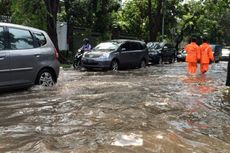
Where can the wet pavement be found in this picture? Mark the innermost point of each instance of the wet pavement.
(159, 109)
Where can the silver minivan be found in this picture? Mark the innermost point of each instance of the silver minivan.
(27, 57)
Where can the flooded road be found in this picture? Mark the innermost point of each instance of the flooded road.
(159, 109)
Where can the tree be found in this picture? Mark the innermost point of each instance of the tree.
(70, 22)
(5, 12)
(30, 13)
(52, 10)
(157, 20)
(102, 10)
(132, 19)
(150, 16)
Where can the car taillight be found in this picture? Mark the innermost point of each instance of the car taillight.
(56, 53)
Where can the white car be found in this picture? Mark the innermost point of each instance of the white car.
(225, 53)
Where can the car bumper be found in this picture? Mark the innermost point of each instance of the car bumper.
(224, 58)
(95, 63)
(153, 58)
(181, 58)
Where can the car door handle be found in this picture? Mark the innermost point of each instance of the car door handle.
(2, 58)
(37, 55)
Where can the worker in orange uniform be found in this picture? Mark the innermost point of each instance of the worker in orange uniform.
(193, 55)
(205, 56)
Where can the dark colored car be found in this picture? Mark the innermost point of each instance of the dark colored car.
(116, 54)
(181, 55)
(225, 53)
(27, 57)
(162, 52)
(168, 53)
(216, 49)
(154, 52)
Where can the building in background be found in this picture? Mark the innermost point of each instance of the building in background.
(62, 36)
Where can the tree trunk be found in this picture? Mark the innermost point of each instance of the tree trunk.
(150, 15)
(69, 25)
(157, 20)
(52, 8)
(228, 74)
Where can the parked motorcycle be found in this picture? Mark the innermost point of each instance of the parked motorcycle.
(77, 59)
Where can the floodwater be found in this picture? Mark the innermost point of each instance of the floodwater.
(159, 109)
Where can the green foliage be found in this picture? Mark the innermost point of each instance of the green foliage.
(30, 13)
(132, 18)
(91, 14)
(209, 18)
(5, 12)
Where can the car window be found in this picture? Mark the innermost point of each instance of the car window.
(157, 46)
(142, 46)
(2, 39)
(126, 47)
(20, 39)
(40, 39)
(154, 46)
(150, 44)
(135, 46)
(107, 46)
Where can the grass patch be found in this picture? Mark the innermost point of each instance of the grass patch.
(66, 66)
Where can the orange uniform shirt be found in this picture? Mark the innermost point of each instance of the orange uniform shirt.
(206, 53)
(193, 52)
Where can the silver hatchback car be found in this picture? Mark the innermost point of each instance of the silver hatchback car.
(115, 54)
(27, 57)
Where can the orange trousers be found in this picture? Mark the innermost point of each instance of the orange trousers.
(192, 66)
(204, 67)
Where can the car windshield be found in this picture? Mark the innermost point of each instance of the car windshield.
(213, 47)
(153, 45)
(107, 46)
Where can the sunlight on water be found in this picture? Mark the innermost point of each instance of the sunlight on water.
(128, 140)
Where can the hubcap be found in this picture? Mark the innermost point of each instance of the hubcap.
(160, 60)
(46, 79)
(115, 66)
(143, 64)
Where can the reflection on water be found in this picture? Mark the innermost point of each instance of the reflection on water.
(158, 109)
(128, 140)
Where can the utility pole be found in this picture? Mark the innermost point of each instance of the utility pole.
(228, 74)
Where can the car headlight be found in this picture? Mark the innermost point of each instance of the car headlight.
(104, 56)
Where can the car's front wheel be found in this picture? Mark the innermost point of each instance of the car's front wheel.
(172, 60)
(160, 61)
(143, 63)
(46, 78)
(77, 65)
(114, 65)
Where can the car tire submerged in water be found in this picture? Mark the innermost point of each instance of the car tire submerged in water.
(77, 65)
(143, 63)
(46, 78)
(114, 65)
(172, 60)
(159, 60)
